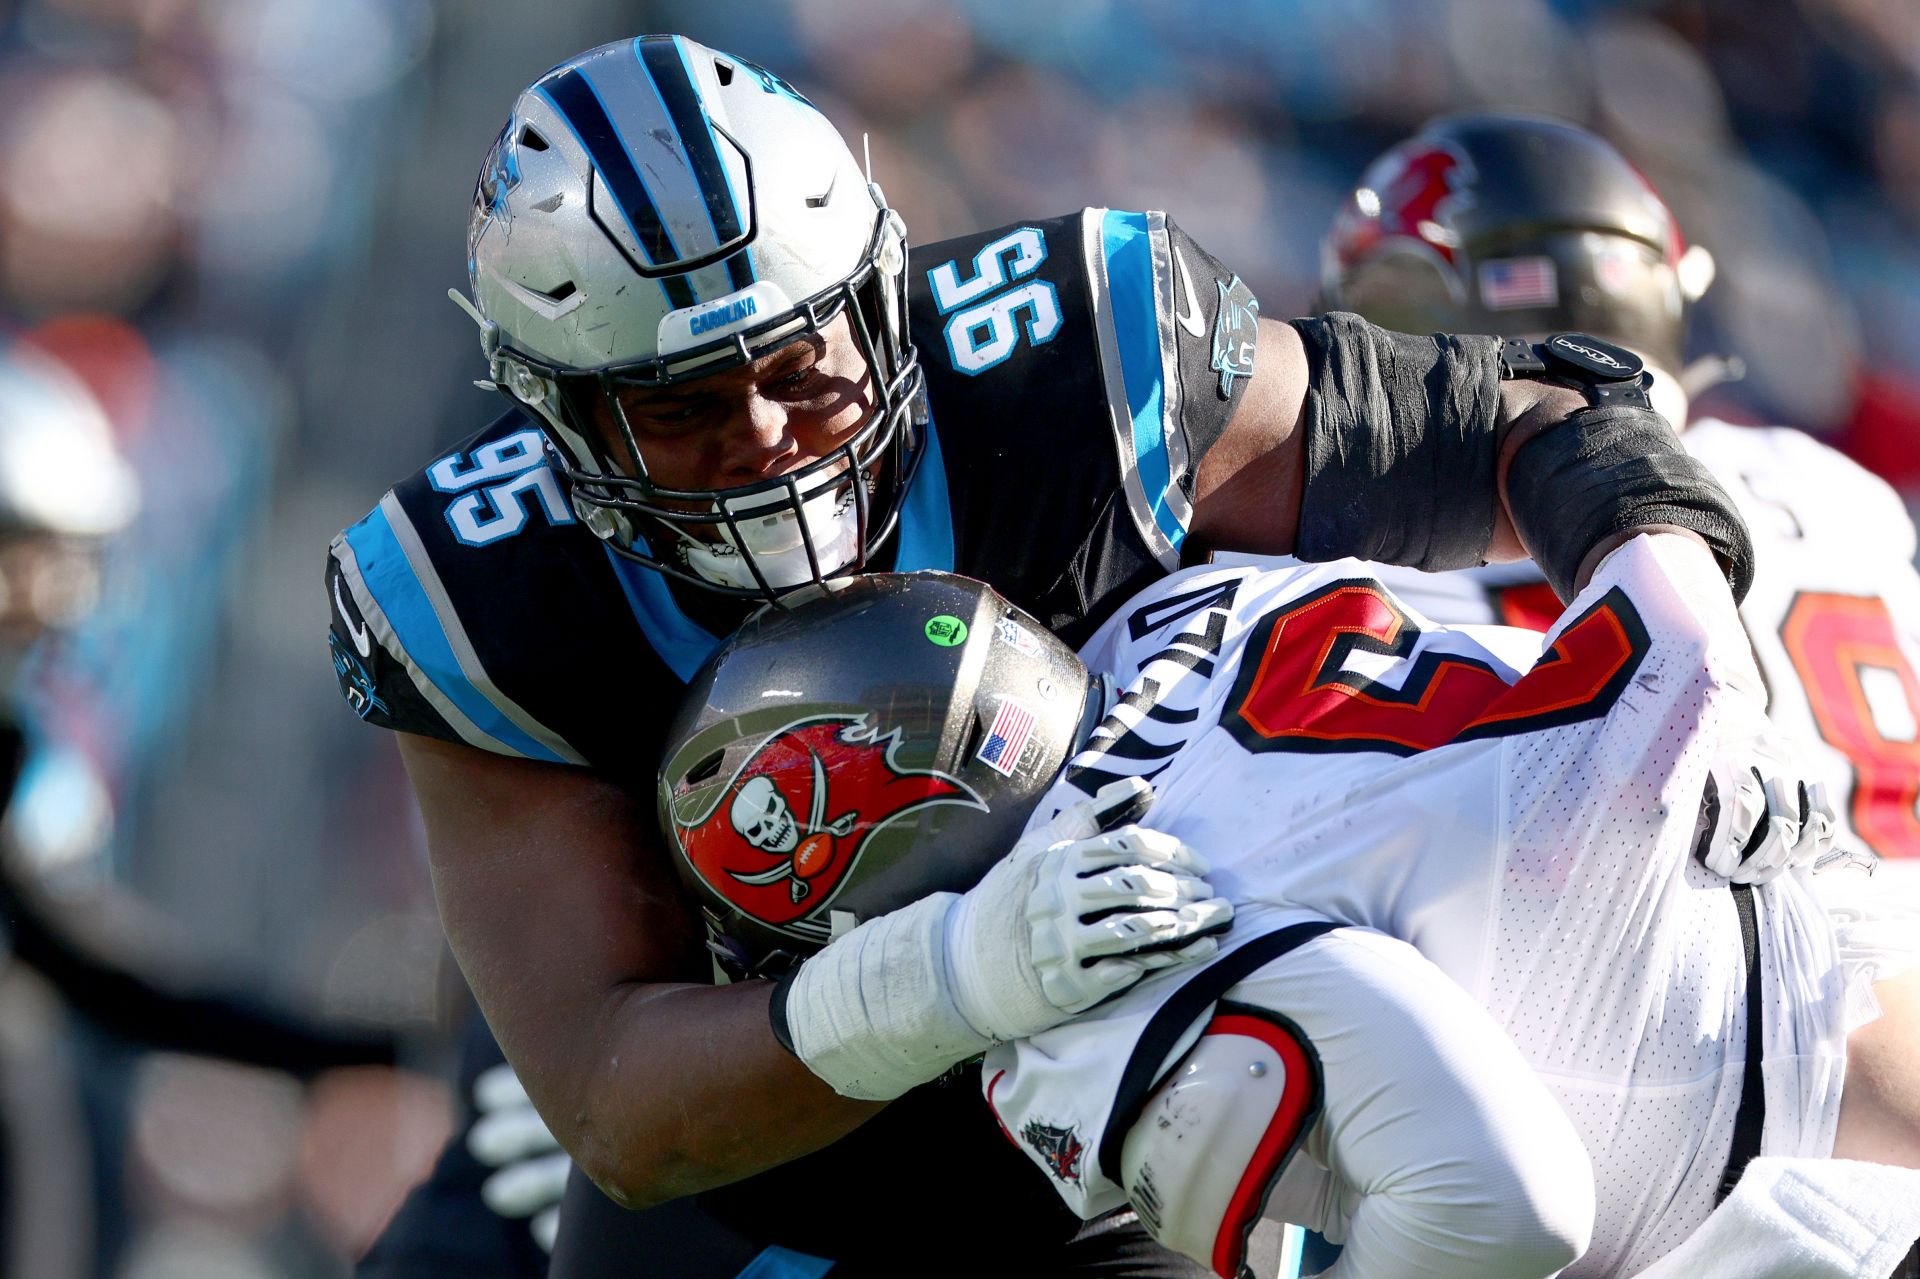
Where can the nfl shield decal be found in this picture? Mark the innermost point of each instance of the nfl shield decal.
(795, 818)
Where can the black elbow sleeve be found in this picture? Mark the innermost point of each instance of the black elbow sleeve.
(1401, 445)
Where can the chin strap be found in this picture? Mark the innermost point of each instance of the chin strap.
(824, 520)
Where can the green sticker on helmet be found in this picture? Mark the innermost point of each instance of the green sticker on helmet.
(946, 630)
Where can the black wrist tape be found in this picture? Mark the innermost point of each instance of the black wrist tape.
(1606, 470)
(1401, 445)
(777, 1009)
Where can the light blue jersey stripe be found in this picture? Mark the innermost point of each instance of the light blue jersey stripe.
(1291, 1239)
(398, 592)
(683, 644)
(784, 1263)
(1131, 296)
(926, 516)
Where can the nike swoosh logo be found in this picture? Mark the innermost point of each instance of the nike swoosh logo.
(357, 633)
(1191, 320)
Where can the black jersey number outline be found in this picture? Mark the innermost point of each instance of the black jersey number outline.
(1294, 693)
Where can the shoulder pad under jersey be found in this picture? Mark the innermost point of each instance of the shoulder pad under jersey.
(1104, 349)
(471, 605)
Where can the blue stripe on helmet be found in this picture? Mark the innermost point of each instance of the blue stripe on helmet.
(1136, 328)
(573, 98)
(401, 597)
(665, 58)
(740, 269)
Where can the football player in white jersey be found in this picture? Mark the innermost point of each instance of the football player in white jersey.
(1577, 985)
(1641, 1009)
(1544, 861)
(1514, 224)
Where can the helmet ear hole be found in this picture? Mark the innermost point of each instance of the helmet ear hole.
(976, 734)
(706, 770)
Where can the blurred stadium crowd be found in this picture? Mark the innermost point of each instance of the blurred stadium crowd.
(235, 220)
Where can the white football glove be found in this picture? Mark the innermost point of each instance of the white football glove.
(1068, 918)
(510, 1136)
(1772, 815)
(1073, 915)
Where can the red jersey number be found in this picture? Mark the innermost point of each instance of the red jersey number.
(1849, 660)
(1295, 693)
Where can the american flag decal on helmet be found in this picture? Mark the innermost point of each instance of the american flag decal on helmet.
(1511, 283)
(1006, 737)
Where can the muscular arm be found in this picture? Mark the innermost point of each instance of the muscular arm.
(1247, 490)
(565, 917)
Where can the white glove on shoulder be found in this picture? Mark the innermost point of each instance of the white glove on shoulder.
(1772, 814)
(1071, 916)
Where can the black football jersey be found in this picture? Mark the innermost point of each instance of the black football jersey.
(1078, 368)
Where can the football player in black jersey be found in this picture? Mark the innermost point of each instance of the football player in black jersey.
(728, 381)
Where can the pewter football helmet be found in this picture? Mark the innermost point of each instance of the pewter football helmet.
(881, 738)
(655, 211)
(1514, 224)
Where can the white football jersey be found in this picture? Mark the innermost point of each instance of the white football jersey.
(1330, 751)
(1834, 616)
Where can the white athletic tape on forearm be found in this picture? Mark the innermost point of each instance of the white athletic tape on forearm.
(872, 1014)
(998, 1001)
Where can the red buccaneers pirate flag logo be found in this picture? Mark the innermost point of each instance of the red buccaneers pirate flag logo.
(794, 819)
(1408, 198)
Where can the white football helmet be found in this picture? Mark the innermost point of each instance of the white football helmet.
(655, 211)
(64, 489)
(61, 475)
